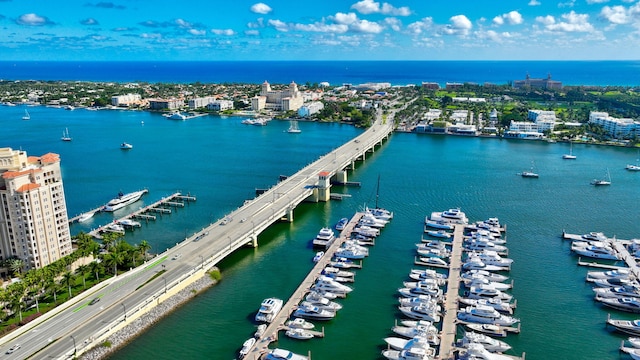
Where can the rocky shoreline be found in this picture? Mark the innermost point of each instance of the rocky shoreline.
(136, 328)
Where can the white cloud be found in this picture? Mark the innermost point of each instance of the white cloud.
(261, 8)
(366, 26)
(534, 3)
(252, 32)
(512, 18)
(33, 20)
(498, 20)
(597, 1)
(197, 32)
(279, 25)
(371, 7)
(419, 26)
(182, 23)
(494, 35)
(347, 19)
(322, 27)
(227, 32)
(393, 23)
(460, 25)
(572, 22)
(616, 15)
(569, 3)
(259, 23)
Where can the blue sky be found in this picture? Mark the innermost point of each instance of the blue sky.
(212, 30)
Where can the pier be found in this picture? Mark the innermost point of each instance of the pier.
(450, 306)
(271, 333)
(142, 213)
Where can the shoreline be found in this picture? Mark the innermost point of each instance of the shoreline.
(124, 336)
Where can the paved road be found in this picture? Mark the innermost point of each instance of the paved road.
(73, 327)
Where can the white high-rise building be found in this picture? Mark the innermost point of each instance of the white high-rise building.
(34, 225)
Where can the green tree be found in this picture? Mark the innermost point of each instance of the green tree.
(68, 278)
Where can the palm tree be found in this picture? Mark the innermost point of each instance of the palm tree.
(16, 294)
(113, 259)
(68, 278)
(16, 265)
(144, 247)
(82, 271)
(96, 268)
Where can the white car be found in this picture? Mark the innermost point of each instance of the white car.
(13, 348)
(176, 256)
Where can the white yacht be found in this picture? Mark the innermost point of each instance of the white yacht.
(129, 223)
(314, 313)
(269, 308)
(618, 291)
(299, 323)
(476, 351)
(324, 238)
(631, 327)
(342, 224)
(439, 233)
(628, 304)
(351, 252)
(487, 283)
(470, 274)
(491, 257)
(126, 146)
(570, 155)
(86, 216)
(176, 116)
(427, 300)
(426, 274)
(415, 349)
(416, 291)
(434, 261)
(609, 274)
(325, 283)
(433, 253)
(423, 283)
(480, 244)
(300, 334)
(123, 200)
(474, 263)
(419, 330)
(421, 312)
(322, 303)
(114, 227)
(489, 343)
(455, 214)
(485, 315)
(438, 224)
(632, 167)
(380, 213)
(246, 346)
(498, 304)
(596, 252)
(485, 293)
(318, 256)
(330, 270)
(281, 354)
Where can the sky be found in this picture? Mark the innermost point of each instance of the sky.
(222, 30)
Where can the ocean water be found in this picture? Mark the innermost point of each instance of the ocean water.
(222, 162)
(601, 73)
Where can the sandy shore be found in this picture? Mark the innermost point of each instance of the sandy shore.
(129, 332)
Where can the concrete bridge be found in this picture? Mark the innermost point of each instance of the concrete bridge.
(122, 304)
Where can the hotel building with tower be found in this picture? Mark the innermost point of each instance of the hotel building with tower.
(278, 100)
(34, 224)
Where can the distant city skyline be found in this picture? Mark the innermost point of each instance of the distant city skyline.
(320, 30)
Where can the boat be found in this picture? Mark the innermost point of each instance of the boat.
(114, 227)
(487, 283)
(436, 253)
(129, 222)
(415, 349)
(379, 213)
(435, 261)
(485, 315)
(628, 304)
(65, 135)
(609, 274)
(123, 200)
(439, 233)
(416, 291)
(594, 236)
(530, 173)
(632, 351)
(631, 327)
(476, 351)
(428, 274)
(342, 263)
(293, 127)
(260, 331)
(634, 341)
(421, 329)
(498, 304)
(438, 224)
(299, 323)
(26, 115)
(342, 224)
(246, 346)
(260, 121)
(86, 216)
(491, 257)
(596, 252)
(313, 312)
(321, 293)
(318, 256)
(454, 214)
(324, 238)
(326, 283)
(300, 334)
(69, 107)
(486, 274)
(269, 308)
(570, 155)
(126, 146)
(475, 263)
(618, 291)
(483, 244)
(281, 354)
(176, 116)
(397, 343)
(248, 121)
(423, 283)
(636, 167)
(332, 271)
(322, 302)
(612, 282)
(487, 342)
(602, 182)
(476, 292)
(351, 252)
(421, 312)
(420, 299)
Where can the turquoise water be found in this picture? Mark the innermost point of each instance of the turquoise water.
(222, 162)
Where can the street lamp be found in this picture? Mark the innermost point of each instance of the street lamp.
(124, 310)
(75, 350)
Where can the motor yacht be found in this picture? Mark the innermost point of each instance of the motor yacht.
(614, 282)
(609, 274)
(423, 311)
(299, 323)
(427, 290)
(342, 224)
(437, 224)
(129, 223)
(269, 308)
(432, 252)
(423, 283)
(479, 292)
(318, 256)
(114, 227)
(126, 146)
(489, 329)
(596, 236)
(485, 315)
(489, 343)
(414, 349)
(325, 283)
(312, 295)
(281, 354)
(498, 304)
(300, 334)
(246, 346)
(427, 300)
(470, 274)
(313, 313)
(351, 252)
(631, 327)
(123, 200)
(439, 233)
(628, 304)
(434, 261)
(483, 244)
(618, 291)
(482, 282)
(330, 270)
(476, 351)
(324, 238)
(418, 330)
(419, 277)
(474, 263)
(323, 303)
(420, 274)
(596, 252)
(86, 216)
(455, 214)
(260, 331)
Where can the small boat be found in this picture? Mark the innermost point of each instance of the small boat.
(269, 308)
(260, 331)
(26, 115)
(86, 216)
(318, 256)
(342, 224)
(299, 323)
(635, 342)
(570, 155)
(489, 329)
(293, 127)
(313, 312)
(636, 167)
(439, 233)
(438, 224)
(324, 238)
(530, 173)
(65, 135)
(631, 327)
(602, 182)
(487, 342)
(246, 346)
(281, 354)
(114, 227)
(300, 334)
(126, 146)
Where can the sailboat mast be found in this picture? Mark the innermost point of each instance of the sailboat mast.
(378, 191)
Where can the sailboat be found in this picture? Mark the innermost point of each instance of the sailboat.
(379, 212)
(602, 182)
(65, 135)
(529, 174)
(293, 127)
(636, 167)
(26, 115)
(569, 156)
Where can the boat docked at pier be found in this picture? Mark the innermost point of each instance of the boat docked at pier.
(437, 224)
(489, 329)
(421, 328)
(269, 309)
(439, 234)
(418, 275)
(498, 304)
(281, 354)
(489, 343)
(352, 253)
(246, 346)
(300, 334)
(428, 312)
(628, 304)
(594, 251)
(618, 291)
(476, 351)
(479, 292)
(325, 283)
(299, 323)
(475, 263)
(420, 290)
(421, 300)
(631, 327)
(609, 274)
(415, 349)
(485, 315)
(86, 216)
(308, 311)
(471, 274)
(324, 238)
(123, 200)
(342, 224)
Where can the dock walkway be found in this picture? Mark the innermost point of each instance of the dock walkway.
(450, 306)
(271, 334)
